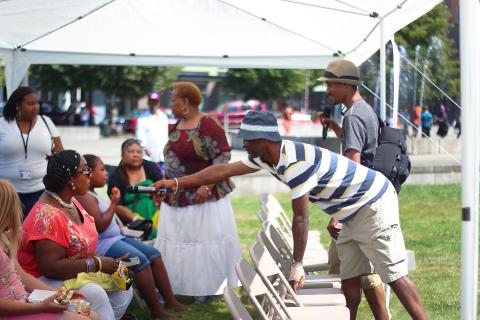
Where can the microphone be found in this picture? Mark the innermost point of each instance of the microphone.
(326, 114)
(145, 189)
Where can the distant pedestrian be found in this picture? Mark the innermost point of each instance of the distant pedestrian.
(416, 114)
(85, 117)
(287, 120)
(427, 121)
(458, 125)
(442, 119)
(152, 130)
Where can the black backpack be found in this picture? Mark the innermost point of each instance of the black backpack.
(390, 157)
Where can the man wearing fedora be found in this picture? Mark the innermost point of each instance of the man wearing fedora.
(362, 199)
(359, 135)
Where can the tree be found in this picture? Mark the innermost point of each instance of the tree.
(431, 33)
(436, 56)
(120, 81)
(265, 84)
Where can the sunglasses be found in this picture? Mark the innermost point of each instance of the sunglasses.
(86, 172)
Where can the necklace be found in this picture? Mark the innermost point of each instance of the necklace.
(57, 197)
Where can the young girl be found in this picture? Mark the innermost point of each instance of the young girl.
(150, 273)
(14, 282)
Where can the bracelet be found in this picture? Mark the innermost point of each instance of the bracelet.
(86, 264)
(89, 265)
(176, 187)
(94, 263)
(99, 263)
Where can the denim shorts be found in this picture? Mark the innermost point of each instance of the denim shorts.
(135, 248)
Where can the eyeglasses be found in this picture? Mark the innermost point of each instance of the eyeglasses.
(86, 172)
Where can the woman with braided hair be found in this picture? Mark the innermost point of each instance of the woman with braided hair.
(60, 237)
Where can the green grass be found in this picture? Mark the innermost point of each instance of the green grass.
(430, 217)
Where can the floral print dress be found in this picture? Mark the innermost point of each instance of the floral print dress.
(191, 150)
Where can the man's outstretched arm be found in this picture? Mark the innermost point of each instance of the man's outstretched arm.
(210, 175)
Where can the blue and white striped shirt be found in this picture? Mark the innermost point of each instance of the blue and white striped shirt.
(337, 185)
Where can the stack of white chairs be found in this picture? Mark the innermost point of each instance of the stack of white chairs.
(269, 272)
(277, 225)
(270, 305)
(267, 286)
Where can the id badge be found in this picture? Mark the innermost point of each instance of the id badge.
(24, 174)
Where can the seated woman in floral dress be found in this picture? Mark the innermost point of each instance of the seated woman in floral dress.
(60, 237)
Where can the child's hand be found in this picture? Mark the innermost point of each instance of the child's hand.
(48, 305)
(115, 197)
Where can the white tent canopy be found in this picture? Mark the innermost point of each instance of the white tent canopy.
(225, 33)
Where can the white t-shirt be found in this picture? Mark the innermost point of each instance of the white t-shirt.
(12, 153)
(152, 131)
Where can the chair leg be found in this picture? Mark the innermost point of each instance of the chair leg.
(387, 300)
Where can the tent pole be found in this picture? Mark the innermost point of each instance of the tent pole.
(383, 87)
(396, 82)
(470, 97)
(16, 69)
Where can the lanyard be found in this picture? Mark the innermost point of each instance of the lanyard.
(25, 143)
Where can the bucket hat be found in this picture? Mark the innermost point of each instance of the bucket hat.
(342, 71)
(259, 125)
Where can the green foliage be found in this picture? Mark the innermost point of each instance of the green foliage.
(121, 81)
(265, 84)
(432, 30)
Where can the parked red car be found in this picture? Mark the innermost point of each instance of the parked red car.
(234, 111)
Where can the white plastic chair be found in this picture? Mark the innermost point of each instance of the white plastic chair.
(273, 211)
(311, 280)
(236, 307)
(274, 308)
(311, 263)
(269, 271)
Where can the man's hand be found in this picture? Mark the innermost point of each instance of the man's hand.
(334, 227)
(297, 276)
(330, 123)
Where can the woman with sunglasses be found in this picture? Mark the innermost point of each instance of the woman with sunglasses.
(60, 237)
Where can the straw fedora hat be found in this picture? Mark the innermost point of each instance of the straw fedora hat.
(342, 71)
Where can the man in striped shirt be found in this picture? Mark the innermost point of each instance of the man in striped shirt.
(361, 198)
